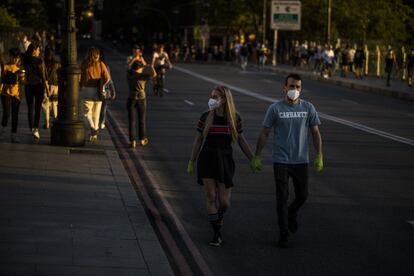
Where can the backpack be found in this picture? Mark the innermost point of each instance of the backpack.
(10, 78)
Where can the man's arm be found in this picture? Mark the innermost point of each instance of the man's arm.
(317, 139)
(261, 142)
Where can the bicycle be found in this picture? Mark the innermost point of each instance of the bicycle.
(159, 81)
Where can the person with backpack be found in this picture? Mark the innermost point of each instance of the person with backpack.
(12, 75)
(35, 86)
(51, 101)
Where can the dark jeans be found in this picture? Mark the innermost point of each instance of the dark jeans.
(34, 95)
(137, 109)
(104, 109)
(299, 175)
(13, 104)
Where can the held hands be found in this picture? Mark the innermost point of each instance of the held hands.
(190, 168)
(318, 163)
(256, 163)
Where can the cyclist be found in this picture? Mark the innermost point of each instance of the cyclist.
(160, 62)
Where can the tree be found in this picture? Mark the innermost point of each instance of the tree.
(7, 19)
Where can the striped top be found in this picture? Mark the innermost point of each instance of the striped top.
(219, 134)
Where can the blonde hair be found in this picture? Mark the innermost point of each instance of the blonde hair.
(229, 111)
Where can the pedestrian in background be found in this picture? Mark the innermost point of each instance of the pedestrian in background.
(217, 130)
(136, 56)
(12, 75)
(345, 61)
(390, 62)
(50, 102)
(108, 95)
(94, 77)
(36, 86)
(244, 56)
(291, 119)
(137, 77)
(359, 61)
(410, 67)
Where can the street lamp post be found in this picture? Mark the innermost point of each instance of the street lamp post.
(329, 27)
(264, 22)
(69, 130)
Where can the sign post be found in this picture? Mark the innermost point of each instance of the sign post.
(286, 16)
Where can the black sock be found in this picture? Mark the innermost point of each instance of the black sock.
(215, 222)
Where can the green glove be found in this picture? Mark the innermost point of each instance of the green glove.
(190, 168)
(318, 163)
(256, 163)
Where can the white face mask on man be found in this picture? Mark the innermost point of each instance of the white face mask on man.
(293, 94)
(213, 104)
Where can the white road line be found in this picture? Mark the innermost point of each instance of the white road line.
(324, 116)
(189, 103)
(166, 90)
(411, 222)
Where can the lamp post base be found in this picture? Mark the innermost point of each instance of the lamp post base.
(68, 133)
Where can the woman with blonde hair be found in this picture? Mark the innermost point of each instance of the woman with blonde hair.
(217, 129)
(94, 77)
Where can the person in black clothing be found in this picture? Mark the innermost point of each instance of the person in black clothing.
(410, 67)
(35, 86)
(217, 129)
(390, 61)
(137, 103)
(359, 61)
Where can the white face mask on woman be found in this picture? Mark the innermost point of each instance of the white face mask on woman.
(213, 104)
(293, 94)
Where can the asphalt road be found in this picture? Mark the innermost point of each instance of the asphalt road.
(356, 220)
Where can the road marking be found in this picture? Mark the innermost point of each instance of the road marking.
(267, 81)
(322, 115)
(411, 222)
(190, 103)
(166, 90)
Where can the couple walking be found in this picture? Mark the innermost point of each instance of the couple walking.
(292, 120)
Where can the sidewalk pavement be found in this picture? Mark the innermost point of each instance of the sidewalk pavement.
(71, 211)
(399, 89)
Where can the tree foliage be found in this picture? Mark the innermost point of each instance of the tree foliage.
(380, 20)
(7, 19)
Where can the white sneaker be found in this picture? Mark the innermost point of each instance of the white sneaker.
(36, 133)
(14, 138)
(102, 126)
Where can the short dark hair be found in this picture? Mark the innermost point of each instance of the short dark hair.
(293, 76)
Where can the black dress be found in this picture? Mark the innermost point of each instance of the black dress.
(215, 160)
